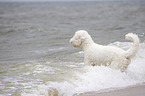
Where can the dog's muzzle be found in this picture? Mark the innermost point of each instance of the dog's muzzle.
(71, 41)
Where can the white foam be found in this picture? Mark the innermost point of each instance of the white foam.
(45, 52)
(89, 78)
(95, 79)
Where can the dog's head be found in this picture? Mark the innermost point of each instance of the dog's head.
(79, 38)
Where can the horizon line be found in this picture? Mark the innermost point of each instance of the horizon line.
(61, 0)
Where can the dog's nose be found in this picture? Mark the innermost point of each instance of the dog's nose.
(71, 40)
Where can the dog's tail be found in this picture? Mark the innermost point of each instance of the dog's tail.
(133, 50)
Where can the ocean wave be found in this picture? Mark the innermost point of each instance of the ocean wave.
(88, 78)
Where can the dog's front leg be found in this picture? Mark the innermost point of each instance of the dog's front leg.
(87, 61)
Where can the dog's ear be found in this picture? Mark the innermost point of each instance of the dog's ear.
(83, 39)
(77, 43)
(78, 40)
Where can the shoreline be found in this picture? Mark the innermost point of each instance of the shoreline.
(138, 90)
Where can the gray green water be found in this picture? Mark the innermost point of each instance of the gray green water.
(36, 58)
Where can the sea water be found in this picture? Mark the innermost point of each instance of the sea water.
(36, 58)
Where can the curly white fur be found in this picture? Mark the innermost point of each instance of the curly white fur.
(95, 54)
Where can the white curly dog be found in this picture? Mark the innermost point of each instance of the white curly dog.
(95, 54)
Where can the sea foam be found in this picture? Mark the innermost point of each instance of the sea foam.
(88, 78)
